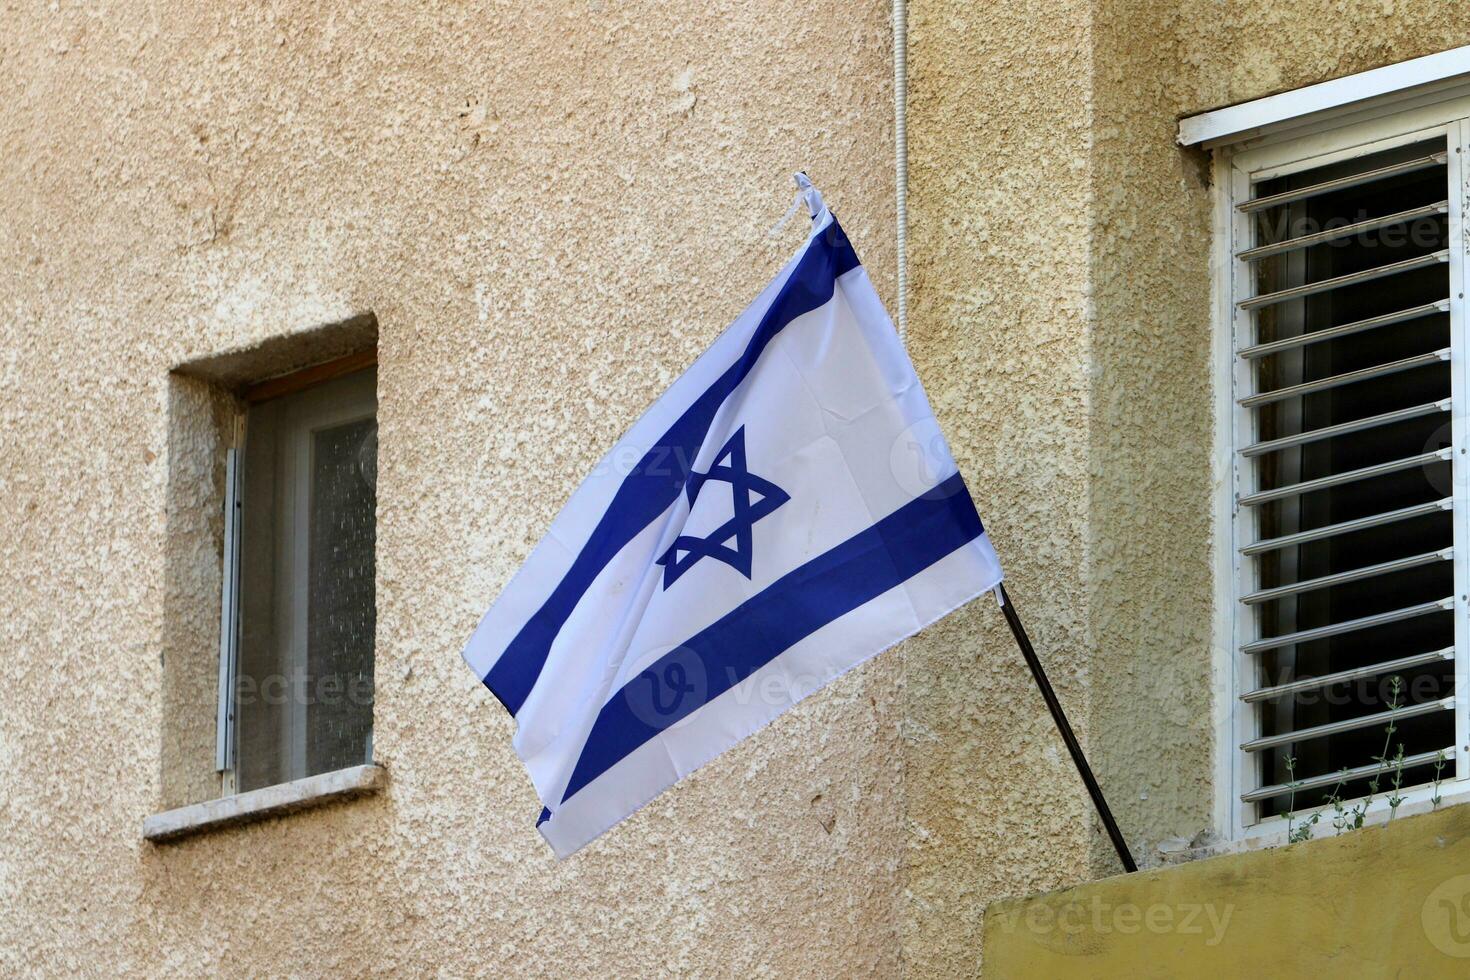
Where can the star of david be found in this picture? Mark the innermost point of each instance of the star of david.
(753, 499)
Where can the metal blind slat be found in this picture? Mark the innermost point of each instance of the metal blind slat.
(1347, 378)
(1351, 279)
(1352, 575)
(1344, 428)
(1344, 231)
(1338, 479)
(1346, 775)
(1345, 330)
(1350, 626)
(1347, 725)
(1358, 673)
(1342, 183)
(1348, 527)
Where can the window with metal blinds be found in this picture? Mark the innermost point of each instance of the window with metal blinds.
(1344, 471)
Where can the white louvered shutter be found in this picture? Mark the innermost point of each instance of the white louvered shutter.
(1346, 392)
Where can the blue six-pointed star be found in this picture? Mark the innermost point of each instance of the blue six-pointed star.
(753, 498)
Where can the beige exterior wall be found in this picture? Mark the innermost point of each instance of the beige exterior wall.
(999, 319)
(550, 209)
(1060, 247)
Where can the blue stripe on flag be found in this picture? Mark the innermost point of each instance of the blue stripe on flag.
(829, 586)
(653, 484)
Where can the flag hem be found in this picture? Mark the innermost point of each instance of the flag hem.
(543, 826)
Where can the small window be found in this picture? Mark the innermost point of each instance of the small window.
(299, 601)
(1348, 503)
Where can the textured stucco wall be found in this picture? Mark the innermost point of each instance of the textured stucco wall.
(1061, 320)
(1150, 431)
(1149, 579)
(551, 208)
(999, 319)
(1151, 485)
(1230, 51)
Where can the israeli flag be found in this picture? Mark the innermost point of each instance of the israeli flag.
(785, 511)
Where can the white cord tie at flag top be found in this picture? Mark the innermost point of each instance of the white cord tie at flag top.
(805, 194)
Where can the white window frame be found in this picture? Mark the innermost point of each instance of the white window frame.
(229, 625)
(1285, 147)
(313, 411)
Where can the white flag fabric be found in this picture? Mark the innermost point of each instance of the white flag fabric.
(785, 511)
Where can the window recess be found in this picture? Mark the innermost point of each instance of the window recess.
(1347, 520)
(299, 615)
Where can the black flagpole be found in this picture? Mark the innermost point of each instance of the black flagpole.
(1060, 717)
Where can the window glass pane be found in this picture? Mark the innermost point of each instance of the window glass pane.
(305, 679)
(260, 693)
(341, 615)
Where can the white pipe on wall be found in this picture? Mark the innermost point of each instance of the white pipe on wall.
(901, 158)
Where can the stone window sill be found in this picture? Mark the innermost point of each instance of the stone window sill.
(261, 804)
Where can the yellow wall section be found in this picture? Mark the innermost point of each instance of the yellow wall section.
(1390, 901)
